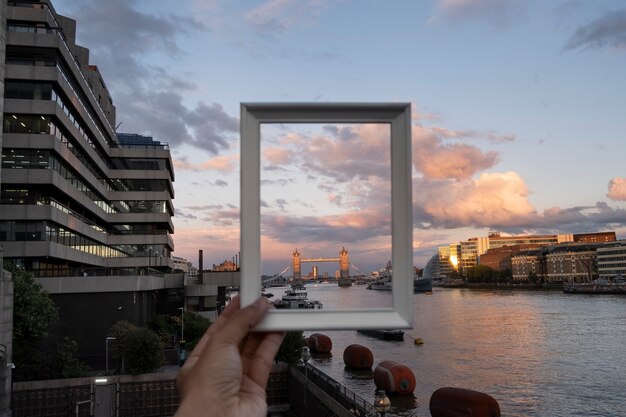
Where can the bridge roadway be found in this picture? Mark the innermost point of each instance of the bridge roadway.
(319, 260)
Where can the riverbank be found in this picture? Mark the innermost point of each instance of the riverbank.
(504, 286)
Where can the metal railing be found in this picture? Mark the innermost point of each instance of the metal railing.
(338, 391)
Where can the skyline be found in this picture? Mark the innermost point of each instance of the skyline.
(517, 111)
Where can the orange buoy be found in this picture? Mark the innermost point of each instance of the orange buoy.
(358, 357)
(460, 402)
(394, 378)
(320, 343)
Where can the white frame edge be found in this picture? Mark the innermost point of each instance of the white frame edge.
(398, 115)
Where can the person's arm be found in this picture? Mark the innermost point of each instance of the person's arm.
(227, 372)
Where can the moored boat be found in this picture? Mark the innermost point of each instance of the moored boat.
(384, 334)
(599, 286)
(296, 298)
(422, 285)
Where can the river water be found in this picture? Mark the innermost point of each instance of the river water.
(538, 353)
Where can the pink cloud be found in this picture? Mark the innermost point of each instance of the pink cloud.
(493, 199)
(223, 163)
(278, 156)
(617, 189)
(436, 160)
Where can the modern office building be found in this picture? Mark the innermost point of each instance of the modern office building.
(77, 197)
(612, 260)
(87, 210)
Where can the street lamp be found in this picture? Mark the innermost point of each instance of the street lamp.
(305, 355)
(381, 402)
(106, 352)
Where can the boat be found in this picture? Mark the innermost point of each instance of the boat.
(599, 286)
(383, 282)
(421, 285)
(296, 298)
(380, 285)
(384, 334)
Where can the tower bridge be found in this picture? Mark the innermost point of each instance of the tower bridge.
(343, 260)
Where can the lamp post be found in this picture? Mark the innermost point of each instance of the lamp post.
(305, 355)
(106, 352)
(381, 402)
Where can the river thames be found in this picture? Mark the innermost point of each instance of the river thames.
(538, 353)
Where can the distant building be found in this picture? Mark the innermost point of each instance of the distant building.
(499, 259)
(181, 264)
(599, 237)
(226, 266)
(612, 260)
(485, 250)
(574, 262)
(525, 264)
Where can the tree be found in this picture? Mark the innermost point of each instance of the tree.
(291, 348)
(33, 312)
(167, 327)
(480, 273)
(140, 349)
(36, 353)
(195, 326)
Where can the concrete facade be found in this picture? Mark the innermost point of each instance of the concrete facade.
(612, 260)
(76, 195)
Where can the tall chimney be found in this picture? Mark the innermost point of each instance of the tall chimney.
(200, 265)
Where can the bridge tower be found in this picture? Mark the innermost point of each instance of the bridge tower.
(344, 268)
(296, 265)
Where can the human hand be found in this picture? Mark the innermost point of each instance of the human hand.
(227, 372)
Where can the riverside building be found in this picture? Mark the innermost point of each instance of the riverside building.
(87, 210)
(495, 248)
(76, 197)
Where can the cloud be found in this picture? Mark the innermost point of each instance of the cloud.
(182, 215)
(500, 201)
(129, 32)
(497, 13)
(348, 152)
(617, 189)
(163, 114)
(468, 133)
(353, 226)
(224, 164)
(278, 156)
(436, 160)
(276, 16)
(491, 200)
(609, 30)
(148, 97)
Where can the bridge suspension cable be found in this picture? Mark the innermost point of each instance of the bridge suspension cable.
(359, 269)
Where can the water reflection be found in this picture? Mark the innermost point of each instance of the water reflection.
(537, 353)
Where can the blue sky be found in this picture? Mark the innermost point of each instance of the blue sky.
(518, 110)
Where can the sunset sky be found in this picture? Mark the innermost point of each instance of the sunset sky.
(519, 115)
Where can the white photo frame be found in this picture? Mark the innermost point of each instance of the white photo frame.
(398, 116)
